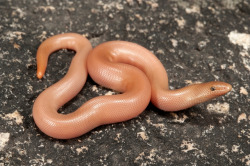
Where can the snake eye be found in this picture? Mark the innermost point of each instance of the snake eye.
(212, 88)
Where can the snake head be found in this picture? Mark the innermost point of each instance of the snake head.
(199, 93)
(217, 88)
(206, 91)
(210, 90)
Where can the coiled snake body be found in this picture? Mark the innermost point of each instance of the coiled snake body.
(122, 66)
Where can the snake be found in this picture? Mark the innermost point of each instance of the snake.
(126, 67)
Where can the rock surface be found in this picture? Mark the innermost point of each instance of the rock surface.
(197, 41)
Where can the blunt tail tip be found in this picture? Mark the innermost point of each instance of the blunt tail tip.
(39, 75)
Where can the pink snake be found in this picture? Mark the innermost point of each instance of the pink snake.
(119, 65)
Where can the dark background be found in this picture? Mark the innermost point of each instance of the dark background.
(197, 41)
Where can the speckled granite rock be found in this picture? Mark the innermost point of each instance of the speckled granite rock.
(197, 41)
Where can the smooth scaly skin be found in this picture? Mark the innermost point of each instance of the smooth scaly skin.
(119, 65)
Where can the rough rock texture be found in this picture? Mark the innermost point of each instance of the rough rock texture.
(197, 41)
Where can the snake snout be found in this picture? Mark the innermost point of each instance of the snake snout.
(221, 87)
